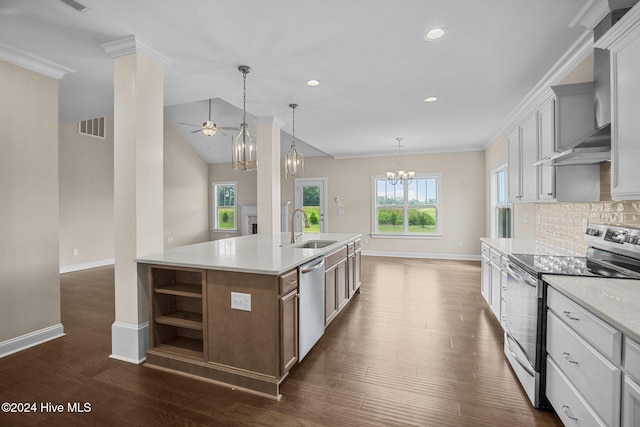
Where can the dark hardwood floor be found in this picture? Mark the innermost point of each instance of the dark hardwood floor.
(418, 347)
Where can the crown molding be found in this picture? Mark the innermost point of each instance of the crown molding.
(32, 62)
(572, 57)
(623, 32)
(129, 45)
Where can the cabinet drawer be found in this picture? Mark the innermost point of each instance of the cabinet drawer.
(288, 282)
(495, 257)
(334, 258)
(598, 333)
(485, 250)
(632, 358)
(565, 399)
(595, 378)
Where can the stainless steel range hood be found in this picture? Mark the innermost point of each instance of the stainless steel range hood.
(596, 146)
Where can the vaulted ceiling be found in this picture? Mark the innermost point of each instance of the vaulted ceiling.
(374, 66)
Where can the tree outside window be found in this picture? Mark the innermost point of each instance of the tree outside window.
(224, 206)
(406, 208)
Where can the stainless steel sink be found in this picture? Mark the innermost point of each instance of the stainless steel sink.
(315, 244)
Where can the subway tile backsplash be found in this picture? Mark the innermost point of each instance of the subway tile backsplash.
(560, 224)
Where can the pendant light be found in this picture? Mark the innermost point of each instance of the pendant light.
(400, 175)
(293, 160)
(243, 148)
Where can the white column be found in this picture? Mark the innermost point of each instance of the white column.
(268, 155)
(138, 187)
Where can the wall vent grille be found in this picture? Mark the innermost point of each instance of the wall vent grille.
(92, 127)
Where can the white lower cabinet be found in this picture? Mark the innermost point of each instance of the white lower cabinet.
(570, 406)
(595, 378)
(593, 370)
(491, 286)
(631, 393)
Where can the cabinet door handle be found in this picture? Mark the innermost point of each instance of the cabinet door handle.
(291, 282)
(568, 412)
(568, 315)
(569, 358)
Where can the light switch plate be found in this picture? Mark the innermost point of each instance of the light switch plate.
(240, 301)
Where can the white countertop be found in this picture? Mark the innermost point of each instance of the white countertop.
(524, 246)
(616, 301)
(258, 253)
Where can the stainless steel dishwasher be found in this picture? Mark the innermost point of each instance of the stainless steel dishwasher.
(311, 288)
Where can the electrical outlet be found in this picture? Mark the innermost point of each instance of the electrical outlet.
(240, 301)
(169, 239)
(340, 211)
(525, 218)
(366, 241)
(460, 243)
(76, 252)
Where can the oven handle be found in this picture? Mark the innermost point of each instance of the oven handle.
(520, 275)
(527, 367)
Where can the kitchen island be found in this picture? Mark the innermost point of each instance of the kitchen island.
(227, 310)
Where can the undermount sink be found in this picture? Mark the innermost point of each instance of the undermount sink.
(315, 244)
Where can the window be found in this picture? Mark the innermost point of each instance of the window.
(501, 215)
(406, 209)
(224, 206)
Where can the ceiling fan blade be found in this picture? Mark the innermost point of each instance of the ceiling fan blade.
(189, 124)
(228, 128)
(196, 131)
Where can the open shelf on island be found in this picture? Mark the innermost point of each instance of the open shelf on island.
(181, 289)
(182, 319)
(183, 346)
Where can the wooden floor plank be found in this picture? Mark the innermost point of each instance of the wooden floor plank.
(417, 347)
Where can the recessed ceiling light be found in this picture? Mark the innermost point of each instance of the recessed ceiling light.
(313, 82)
(431, 99)
(434, 34)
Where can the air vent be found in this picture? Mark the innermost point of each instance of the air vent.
(92, 127)
(74, 4)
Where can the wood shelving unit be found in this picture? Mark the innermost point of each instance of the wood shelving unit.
(176, 309)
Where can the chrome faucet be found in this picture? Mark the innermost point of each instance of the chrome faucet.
(306, 223)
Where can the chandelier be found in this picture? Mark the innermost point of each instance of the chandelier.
(400, 175)
(293, 160)
(243, 148)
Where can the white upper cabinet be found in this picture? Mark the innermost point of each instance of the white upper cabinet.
(515, 188)
(546, 120)
(529, 147)
(623, 40)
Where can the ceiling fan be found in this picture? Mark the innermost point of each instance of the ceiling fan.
(209, 128)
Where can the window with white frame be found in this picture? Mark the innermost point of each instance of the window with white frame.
(224, 206)
(406, 209)
(501, 215)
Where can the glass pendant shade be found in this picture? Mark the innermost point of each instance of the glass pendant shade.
(244, 150)
(293, 162)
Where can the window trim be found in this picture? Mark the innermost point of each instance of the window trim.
(214, 206)
(504, 166)
(405, 235)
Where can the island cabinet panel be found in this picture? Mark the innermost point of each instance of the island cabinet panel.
(354, 252)
(246, 340)
(288, 331)
(176, 310)
(336, 283)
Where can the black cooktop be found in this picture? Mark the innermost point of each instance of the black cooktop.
(537, 265)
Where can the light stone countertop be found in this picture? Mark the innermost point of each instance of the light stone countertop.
(524, 246)
(271, 254)
(616, 301)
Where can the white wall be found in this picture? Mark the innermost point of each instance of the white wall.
(86, 197)
(29, 221)
(186, 192)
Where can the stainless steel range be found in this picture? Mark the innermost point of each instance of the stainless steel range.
(613, 252)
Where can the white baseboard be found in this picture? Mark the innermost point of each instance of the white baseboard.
(31, 339)
(457, 257)
(86, 265)
(129, 343)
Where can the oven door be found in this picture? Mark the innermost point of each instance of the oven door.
(524, 302)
